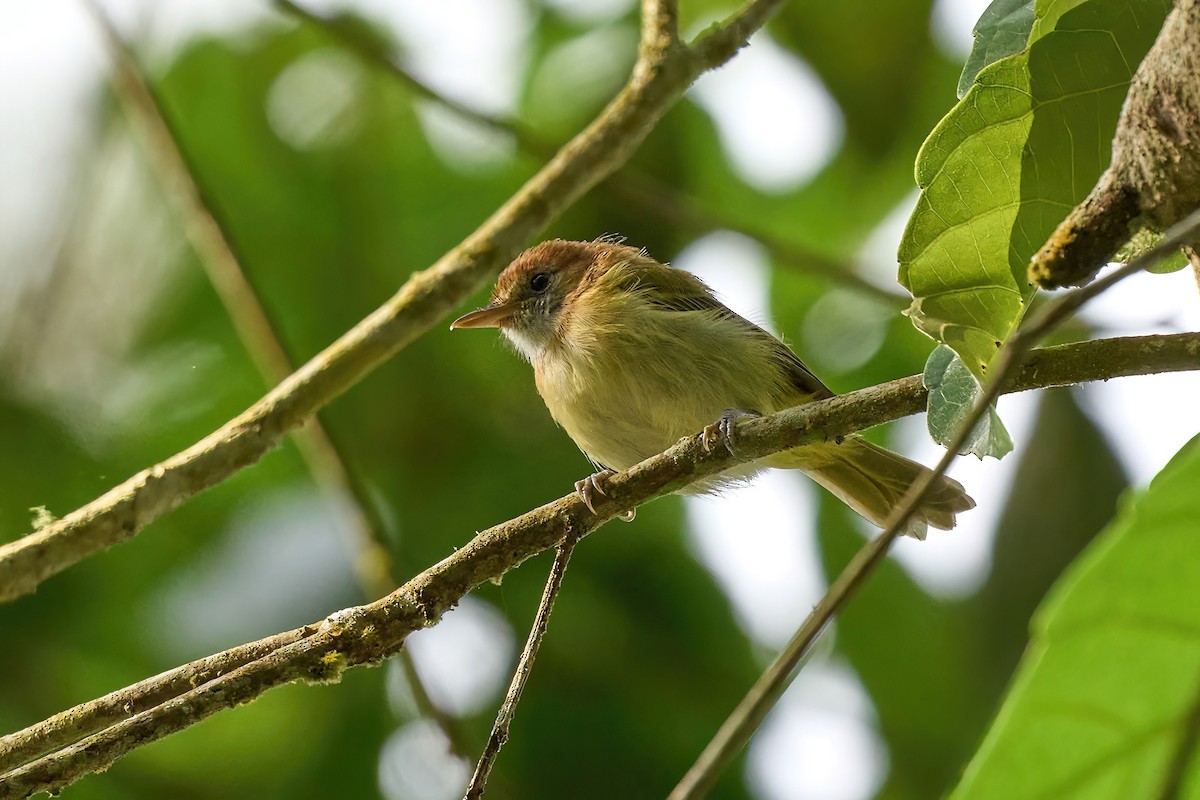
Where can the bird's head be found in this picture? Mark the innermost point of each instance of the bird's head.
(534, 295)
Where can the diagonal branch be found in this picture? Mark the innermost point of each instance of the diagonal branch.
(93, 736)
(752, 710)
(647, 193)
(659, 78)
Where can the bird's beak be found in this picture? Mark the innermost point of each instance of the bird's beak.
(493, 316)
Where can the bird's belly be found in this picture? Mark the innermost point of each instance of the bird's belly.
(628, 417)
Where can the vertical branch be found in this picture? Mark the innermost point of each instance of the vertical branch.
(508, 708)
(373, 563)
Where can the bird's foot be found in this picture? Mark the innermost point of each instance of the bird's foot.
(724, 430)
(593, 485)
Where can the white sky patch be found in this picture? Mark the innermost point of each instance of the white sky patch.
(165, 26)
(50, 58)
(1146, 303)
(737, 268)
(820, 742)
(466, 658)
(312, 102)
(758, 542)
(952, 23)
(777, 122)
(473, 52)
(1147, 418)
(877, 259)
(283, 561)
(416, 764)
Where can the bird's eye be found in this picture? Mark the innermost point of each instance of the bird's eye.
(540, 282)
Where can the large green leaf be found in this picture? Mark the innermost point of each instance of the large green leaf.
(1023, 146)
(1105, 702)
(1002, 30)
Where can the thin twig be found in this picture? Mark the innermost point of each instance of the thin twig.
(90, 738)
(629, 185)
(370, 50)
(750, 712)
(657, 82)
(508, 709)
(373, 563)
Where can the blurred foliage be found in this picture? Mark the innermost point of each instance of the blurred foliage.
(332, 200)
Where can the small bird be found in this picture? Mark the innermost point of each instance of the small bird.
(631, 355)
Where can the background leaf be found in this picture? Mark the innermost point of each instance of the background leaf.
(952, 392)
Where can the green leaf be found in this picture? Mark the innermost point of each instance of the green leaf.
(1023, 147)
(1106, 698)
(1046, 15)
(1145, 240)
(1002, 30)
(952, 392)
(1172, 263)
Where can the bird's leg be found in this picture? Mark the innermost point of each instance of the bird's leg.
(592, 485)
(723, 430)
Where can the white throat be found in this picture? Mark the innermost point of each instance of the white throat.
(529, 346)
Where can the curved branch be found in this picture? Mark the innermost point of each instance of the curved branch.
(659, 78)
(93, 736)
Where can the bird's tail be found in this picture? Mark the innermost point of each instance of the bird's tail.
(872, 481)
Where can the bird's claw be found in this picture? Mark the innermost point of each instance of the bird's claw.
(724, 430)
(593, 485)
